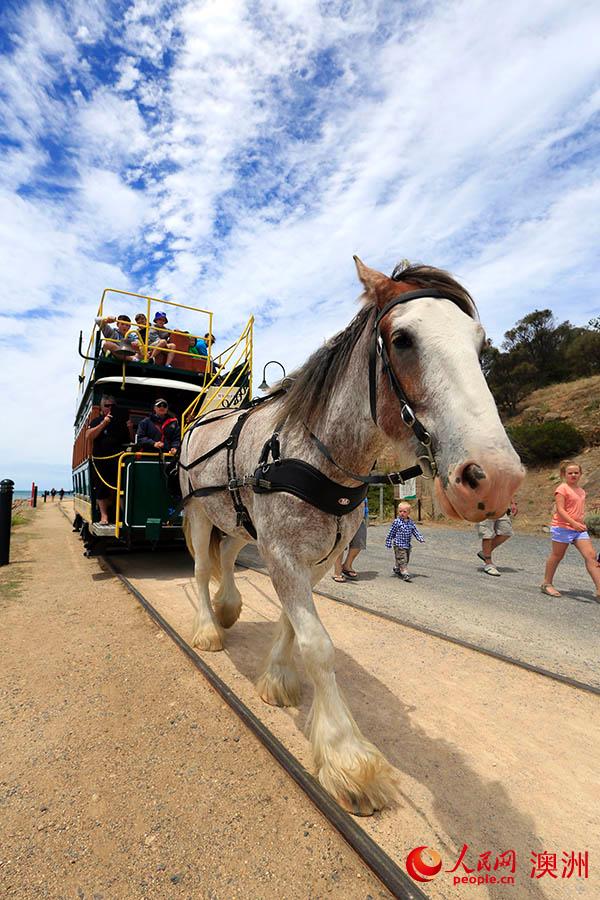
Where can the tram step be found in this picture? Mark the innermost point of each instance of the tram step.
(102, 530)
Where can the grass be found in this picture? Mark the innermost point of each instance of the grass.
(12, 576)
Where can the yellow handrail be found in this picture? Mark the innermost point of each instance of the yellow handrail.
(149, 300)
(120, 466)
(205, 401)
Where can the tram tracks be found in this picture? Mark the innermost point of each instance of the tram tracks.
(383, 866)
(432, 632)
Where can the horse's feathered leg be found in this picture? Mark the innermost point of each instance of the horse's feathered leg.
(227, 602)
(279, 684)
(352, 769)
(206, 633)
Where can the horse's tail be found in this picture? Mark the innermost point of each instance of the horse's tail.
(214, 549)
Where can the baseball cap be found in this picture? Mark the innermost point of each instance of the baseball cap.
(160, 315)
(160, 402)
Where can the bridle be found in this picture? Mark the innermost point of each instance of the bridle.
(378, 349)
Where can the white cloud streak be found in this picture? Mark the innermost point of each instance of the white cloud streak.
(238, 154)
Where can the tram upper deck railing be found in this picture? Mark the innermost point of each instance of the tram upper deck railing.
(152, 304)
(224, 379)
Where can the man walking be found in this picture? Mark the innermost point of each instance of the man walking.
(493, 533)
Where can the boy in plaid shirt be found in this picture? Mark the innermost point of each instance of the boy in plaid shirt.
(399, 538)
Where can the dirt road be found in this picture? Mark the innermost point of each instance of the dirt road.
(122, 774)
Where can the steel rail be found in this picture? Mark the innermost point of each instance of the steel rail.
(495, 654)
(383, 866)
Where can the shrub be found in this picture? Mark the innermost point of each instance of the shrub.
(592, 523)
(539, 442)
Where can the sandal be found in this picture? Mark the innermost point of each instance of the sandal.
(350, 573)
(339, 578)
(550, 590)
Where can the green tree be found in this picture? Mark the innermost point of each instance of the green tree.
(583, 353)
(510, 378)
(542, 342)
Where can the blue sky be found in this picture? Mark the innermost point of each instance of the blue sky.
(235, 154)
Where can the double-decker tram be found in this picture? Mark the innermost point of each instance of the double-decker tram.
(150, 370)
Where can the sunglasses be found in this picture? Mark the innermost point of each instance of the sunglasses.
(161, 405)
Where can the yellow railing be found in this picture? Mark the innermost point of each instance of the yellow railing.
(120, 492)
(149, 326)
(222, 384)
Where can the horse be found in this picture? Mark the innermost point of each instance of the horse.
(405, 371)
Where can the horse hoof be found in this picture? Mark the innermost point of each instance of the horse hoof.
(358, 806)
(227, 614)
(210, 642)
(284, 690)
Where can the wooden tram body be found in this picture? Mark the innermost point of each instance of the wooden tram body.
(144, 492)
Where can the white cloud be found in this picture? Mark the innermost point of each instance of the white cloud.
(259, 145)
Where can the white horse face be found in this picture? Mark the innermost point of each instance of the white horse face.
(434, 348)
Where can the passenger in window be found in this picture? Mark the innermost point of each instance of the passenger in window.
(108, 434)
(159, 432)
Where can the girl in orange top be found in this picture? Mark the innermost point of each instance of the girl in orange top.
(568, 527)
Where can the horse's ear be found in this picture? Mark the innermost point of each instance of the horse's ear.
(378, 287)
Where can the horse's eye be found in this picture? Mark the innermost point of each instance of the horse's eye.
(402, 340)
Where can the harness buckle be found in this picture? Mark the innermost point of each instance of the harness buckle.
(408, 416)
(235, 483)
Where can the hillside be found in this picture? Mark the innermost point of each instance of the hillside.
(577, 402)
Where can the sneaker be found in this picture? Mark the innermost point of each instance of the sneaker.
(396, 570)
(405, 576)
(491, 570)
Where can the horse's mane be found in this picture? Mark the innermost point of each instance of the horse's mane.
(314, 381)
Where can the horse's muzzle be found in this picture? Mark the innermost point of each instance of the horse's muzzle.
(480, 489)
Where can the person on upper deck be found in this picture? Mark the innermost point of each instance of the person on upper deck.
(141, 324)
(159, 432)
(203, 347)
(115, 336)
(158, 339)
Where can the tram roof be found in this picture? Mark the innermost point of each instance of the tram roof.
(150, 382)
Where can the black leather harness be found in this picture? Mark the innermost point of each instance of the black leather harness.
(295, 476)
(289, 475)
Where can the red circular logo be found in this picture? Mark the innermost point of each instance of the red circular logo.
(423, 866)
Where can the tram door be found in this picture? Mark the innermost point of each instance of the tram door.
(148, 502)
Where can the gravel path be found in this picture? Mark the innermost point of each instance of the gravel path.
(451, 594)
(122, 774)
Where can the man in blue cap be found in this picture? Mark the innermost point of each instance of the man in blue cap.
(158, 339)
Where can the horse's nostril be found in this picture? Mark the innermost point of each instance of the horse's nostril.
(472, 475)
